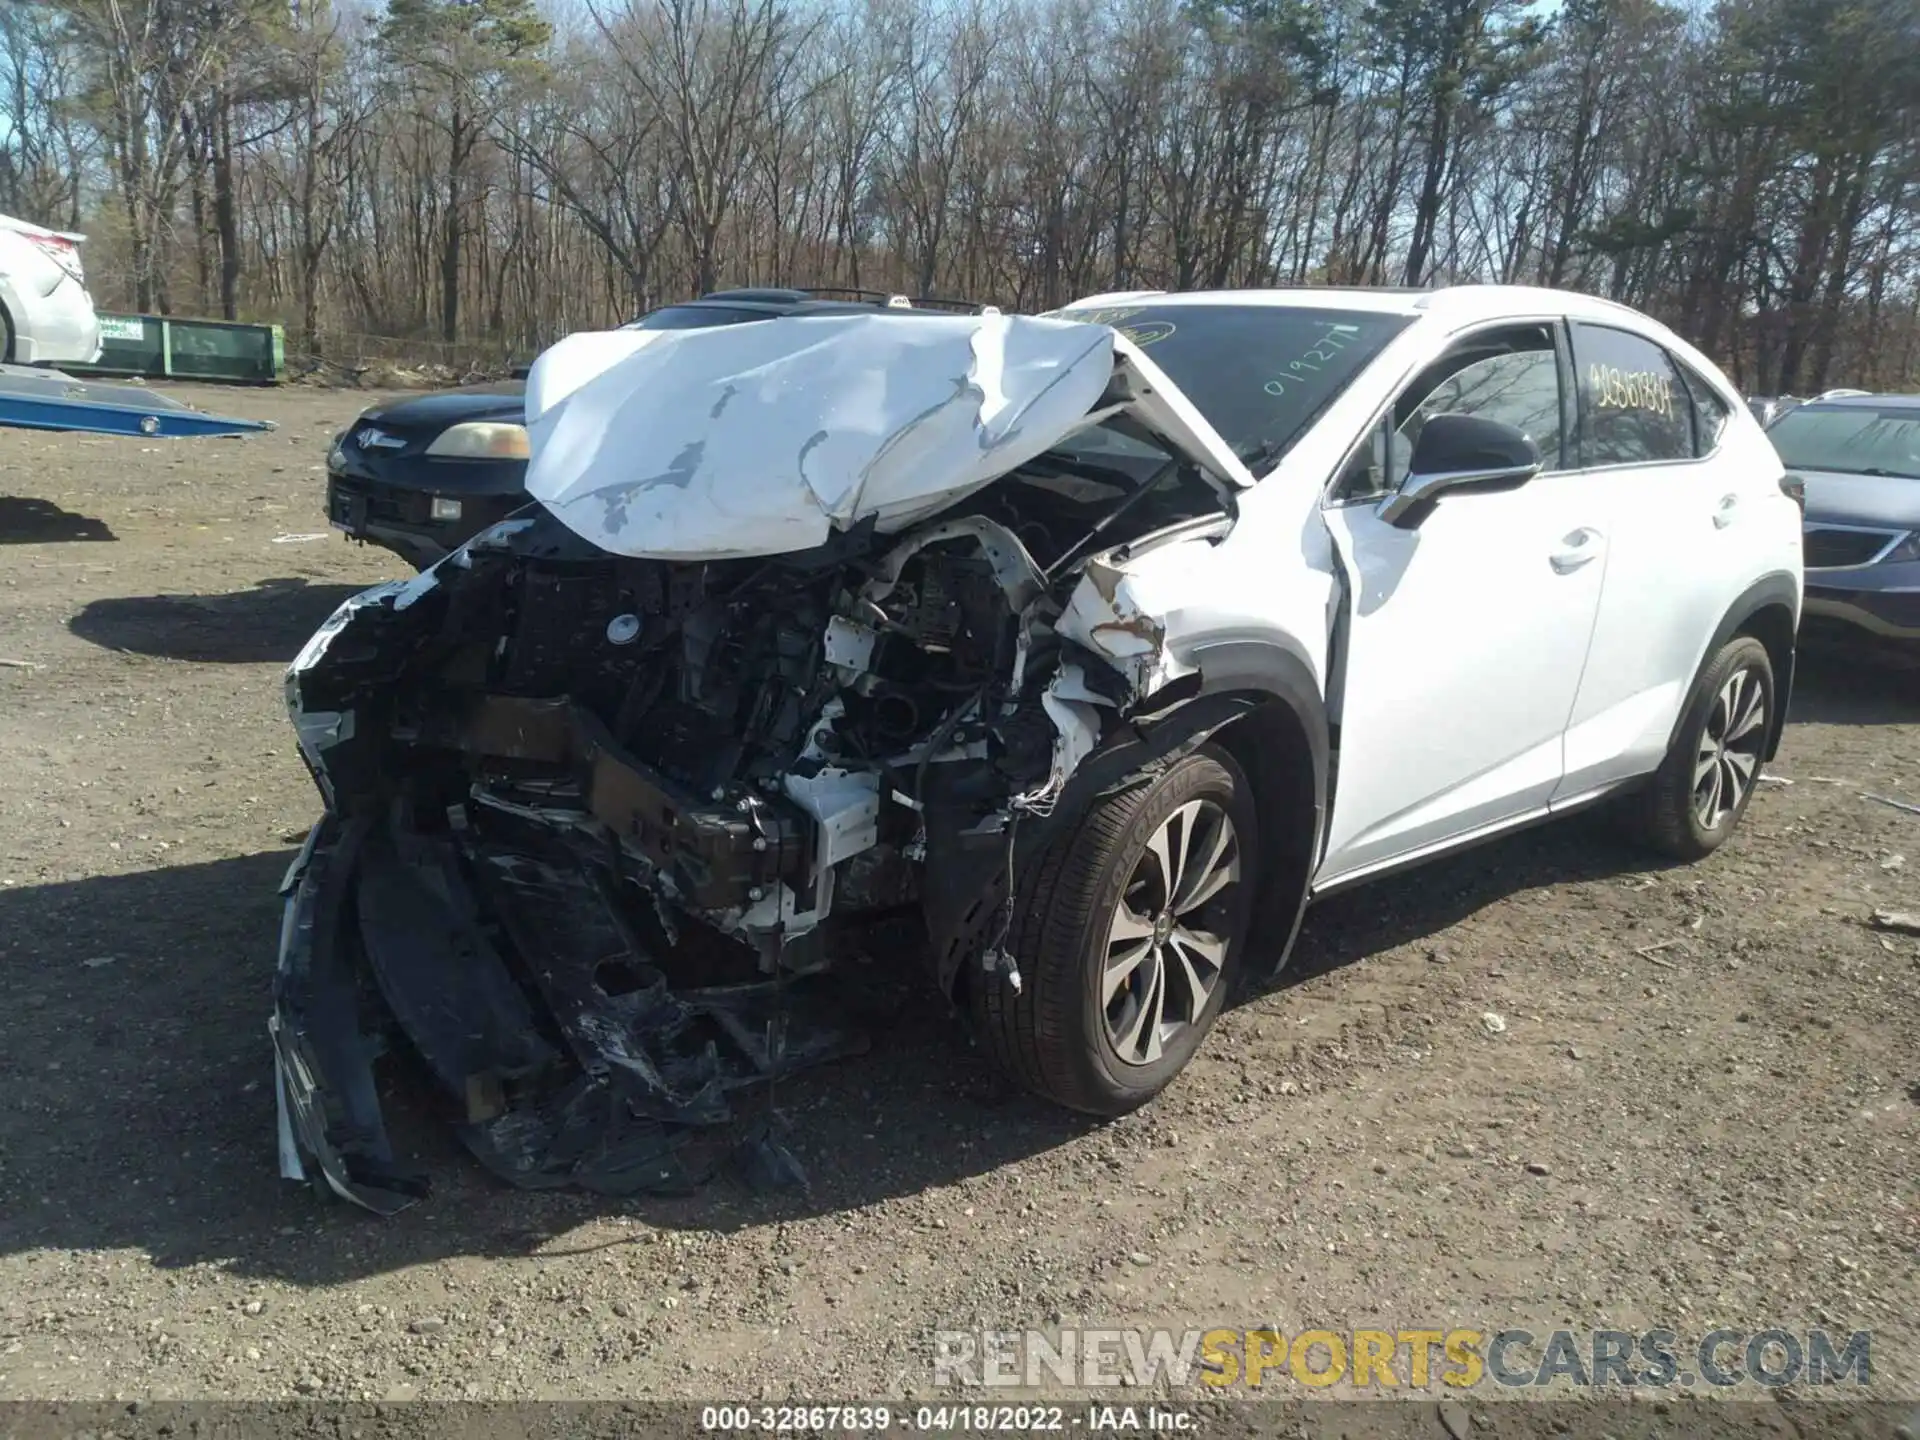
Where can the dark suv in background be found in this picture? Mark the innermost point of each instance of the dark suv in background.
(421, 475)
(1857, 459)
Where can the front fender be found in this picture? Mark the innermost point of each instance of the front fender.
(1260, 701)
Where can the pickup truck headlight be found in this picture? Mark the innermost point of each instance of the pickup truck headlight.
(481, 440)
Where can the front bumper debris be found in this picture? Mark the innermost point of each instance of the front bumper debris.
(573, 1064)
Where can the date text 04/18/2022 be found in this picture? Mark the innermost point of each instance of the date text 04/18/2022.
(948, 1419)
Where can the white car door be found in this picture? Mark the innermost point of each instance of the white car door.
(1692, 518)
(1465, 638)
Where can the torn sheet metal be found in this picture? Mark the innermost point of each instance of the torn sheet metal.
(317, 643)
(1105, 615)
(1073, 707)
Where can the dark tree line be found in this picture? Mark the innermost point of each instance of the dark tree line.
(473, 178)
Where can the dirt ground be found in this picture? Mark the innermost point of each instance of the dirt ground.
(1702, 1108)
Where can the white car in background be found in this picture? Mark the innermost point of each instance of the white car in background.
(46, 314)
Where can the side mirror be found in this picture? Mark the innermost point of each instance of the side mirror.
(1460, 454)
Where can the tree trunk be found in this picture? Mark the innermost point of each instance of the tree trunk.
(1426, 214)
(226, 216)
(196, 147)
(453, 229)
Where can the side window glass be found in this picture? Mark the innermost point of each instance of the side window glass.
(1377, 466)
(1520, 388)
(1710, 412)
(1507, 375)
(1634, 407)
(1364, 476)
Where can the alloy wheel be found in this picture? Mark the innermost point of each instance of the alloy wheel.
(1728, 758)
(1165, 947)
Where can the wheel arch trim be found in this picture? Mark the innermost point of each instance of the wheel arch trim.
(1240, 680)
(1282, 702)
(1780, 591)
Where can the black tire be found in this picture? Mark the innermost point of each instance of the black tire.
(6, 336)
(1053, 1034)
(1673, 814)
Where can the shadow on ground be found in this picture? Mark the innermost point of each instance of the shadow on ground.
(134, 1053)
(27, 521)
(1350, 925)
(267, 623)
(1844, 679)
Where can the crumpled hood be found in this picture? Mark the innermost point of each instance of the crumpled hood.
(763, 439)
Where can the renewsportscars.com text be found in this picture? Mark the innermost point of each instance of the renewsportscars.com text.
(1418, 1359)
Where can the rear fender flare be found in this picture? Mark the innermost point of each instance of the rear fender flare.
(1779, 590)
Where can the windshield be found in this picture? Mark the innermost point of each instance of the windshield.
(696, 317)
(1261, 374)
(1850, 439)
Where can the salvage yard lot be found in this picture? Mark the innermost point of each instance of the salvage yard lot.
(1698, 1106)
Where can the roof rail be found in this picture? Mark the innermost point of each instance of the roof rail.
(771, 294)
(890, 298)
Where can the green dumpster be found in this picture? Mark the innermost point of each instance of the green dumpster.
(165, 347)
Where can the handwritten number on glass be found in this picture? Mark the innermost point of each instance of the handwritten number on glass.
(1321, 352)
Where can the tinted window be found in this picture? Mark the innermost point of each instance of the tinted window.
(1634, 409)
(1260, 374)
(1710, 412)
(1520, 388)
(1512, 376)
(1855, 439)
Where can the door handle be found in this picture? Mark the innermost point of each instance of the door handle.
(1723, 516)
(1576, 550)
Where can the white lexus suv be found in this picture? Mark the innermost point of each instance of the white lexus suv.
(1103, 641)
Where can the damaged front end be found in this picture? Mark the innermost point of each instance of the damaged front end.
(600, 822)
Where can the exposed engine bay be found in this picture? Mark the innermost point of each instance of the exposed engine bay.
(651, 794)
(598, 825)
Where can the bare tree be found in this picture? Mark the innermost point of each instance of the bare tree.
(463, 179)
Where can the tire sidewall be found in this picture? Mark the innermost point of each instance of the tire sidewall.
(1209, 773)
(1742, 653)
